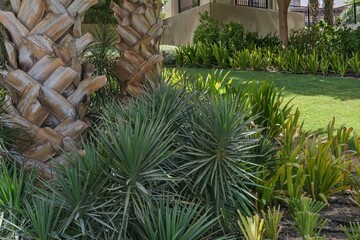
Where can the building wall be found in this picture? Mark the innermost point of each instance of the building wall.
(179, 29)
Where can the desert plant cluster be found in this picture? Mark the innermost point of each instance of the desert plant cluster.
(99, 142)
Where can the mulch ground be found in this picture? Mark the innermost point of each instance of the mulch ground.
(340, 213)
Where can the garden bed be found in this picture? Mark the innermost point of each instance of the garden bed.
(339, 213)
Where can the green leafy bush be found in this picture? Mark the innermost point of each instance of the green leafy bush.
(169, 53)
(232, 36)
(208, 30)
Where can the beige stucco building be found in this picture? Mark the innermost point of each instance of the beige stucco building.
(261, 16)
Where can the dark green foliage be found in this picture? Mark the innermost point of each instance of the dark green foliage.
(232, 36)
(175, 219)
(169, 54)
(326, 38)
(100, 13)
(208, 30)
(267, 102)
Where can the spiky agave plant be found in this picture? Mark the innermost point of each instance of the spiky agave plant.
(140, 27)
(48, 82)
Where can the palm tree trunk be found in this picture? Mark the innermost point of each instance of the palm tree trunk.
(283, 23)
(314, 11)
(140, 27)
(329, 9)
(48, 82)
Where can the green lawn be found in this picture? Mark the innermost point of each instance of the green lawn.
(318, 98)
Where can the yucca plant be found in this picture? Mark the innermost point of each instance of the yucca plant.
(217, 159)
(353, 232)
(175, 219)
(45, 219)
(272, 220)
(15, 186)
(251, 227)
(81, 192)
(48, 80)
(134, 141)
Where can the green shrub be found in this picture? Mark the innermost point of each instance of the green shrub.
(232, 36)
(100, 13)
(169, 53)
(208, 30)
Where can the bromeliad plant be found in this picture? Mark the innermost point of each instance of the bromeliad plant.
(325, 174)
(272, 220)
(251, 227)
(268, 102)
(307, 218)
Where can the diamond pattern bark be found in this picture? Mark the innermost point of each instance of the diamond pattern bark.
(48, 83)
(140, 27)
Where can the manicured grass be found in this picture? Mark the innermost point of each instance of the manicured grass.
(318, 98)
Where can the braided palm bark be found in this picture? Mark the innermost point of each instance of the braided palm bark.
(140, 28)
(48, 83)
